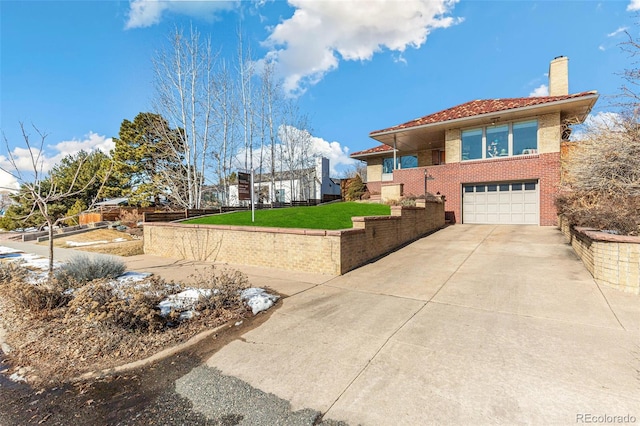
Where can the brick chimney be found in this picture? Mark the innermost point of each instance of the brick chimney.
(559, 76)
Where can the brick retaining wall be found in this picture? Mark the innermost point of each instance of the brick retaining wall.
(613, 260)
(309, 250)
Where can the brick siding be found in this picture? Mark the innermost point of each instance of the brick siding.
(448, 180)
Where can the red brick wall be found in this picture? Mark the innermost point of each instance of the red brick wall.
(448, 179)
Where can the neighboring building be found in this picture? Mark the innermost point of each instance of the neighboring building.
(497, 161)
(312, 183)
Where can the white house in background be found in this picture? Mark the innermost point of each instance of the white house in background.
(313, 183)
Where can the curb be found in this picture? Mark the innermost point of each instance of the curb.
(165, 353)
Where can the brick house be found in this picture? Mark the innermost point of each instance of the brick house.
(496, 161)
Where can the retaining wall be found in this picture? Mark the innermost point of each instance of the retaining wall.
(613, 260)
(309, 250)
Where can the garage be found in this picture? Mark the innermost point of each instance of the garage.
(501, 203)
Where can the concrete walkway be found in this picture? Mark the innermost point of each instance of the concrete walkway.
(471, 325)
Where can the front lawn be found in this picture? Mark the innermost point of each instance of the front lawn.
(328, 216)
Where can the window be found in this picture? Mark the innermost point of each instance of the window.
(525, 137)
(404, 162)
(505, 140)
(472, 144)
(497, 141)
(387, 165)
(408, 162)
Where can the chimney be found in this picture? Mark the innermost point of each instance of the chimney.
(559, 76)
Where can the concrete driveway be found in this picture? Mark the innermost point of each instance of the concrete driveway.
(474, 324)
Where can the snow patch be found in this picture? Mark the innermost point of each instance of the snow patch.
(86, 243)
(258, 299)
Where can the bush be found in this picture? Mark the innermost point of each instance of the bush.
(10, 271)
(601, 211)
(83, 269)
(132, 308)
(226, 285)
(355, 189)
(601, 186)
(34, 297)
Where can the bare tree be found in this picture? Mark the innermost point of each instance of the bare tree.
(630, 91)
(185, 88)
(296, 156)
(42, 187)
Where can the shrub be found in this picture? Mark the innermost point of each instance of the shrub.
(10, 271)
(132, 308)
(34, 297)
(83, 269)
(226, 285)
(601, 211)
(601, 184)
(355, 189)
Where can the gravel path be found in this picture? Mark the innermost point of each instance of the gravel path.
(228, 400)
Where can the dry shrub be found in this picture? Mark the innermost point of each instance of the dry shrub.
(83, 269)
(601, 211)
(131, 216)
(34, 297)
(129, 307)
(601, 186)
(226, 285)
(10, 271)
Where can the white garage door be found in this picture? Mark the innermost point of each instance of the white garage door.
(501, 203)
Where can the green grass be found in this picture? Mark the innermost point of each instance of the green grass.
(328, 216)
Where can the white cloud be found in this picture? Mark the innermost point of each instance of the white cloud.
(321, 33)
(46, 160)
(337, 154)
(621, 29)
(601, 48)
(542, 90)
(601, 120)
(145, 13)
(633, 5)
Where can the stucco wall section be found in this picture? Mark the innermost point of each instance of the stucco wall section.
(328, 252)
(391, 191)
(374, 169)
(452, 145)
(549, 133)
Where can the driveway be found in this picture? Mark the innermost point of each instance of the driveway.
(474, 324)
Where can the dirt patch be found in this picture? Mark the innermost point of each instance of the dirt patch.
(125, 248)
(140, 397)
(106, 241)
(49, 349)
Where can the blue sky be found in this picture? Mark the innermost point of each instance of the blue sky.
(76, 69)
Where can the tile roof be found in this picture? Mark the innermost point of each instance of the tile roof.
(477, 107)
(379, 148)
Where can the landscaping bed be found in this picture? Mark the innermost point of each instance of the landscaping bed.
(57, 329)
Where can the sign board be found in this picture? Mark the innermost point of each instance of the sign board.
(244, 186)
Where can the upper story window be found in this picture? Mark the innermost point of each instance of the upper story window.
(404, 162)
(505, 140)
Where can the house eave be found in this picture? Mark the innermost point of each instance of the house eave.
(435, 131)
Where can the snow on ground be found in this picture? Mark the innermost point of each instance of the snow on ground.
(85, 243)
(258, 299)
(184, 302)
(91, 243)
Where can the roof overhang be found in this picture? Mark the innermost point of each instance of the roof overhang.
(432, 135)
